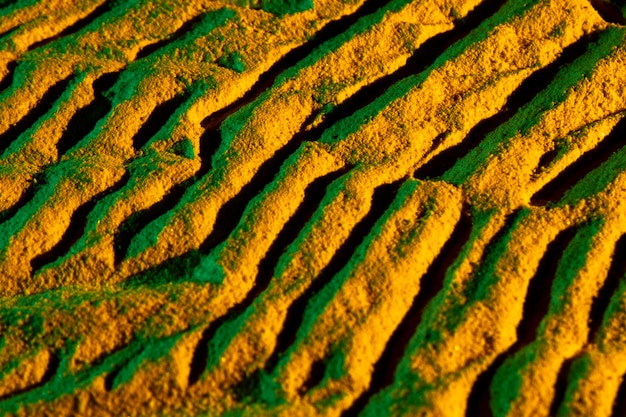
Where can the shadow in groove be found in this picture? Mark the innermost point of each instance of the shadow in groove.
(109, 379)
(313, 197)
(609, 12)
(536, 307)
(524, 94)
(41, 108)
(8, 79)
(210, 141)
(185, 28)
(140, 219)
(423, 57)
(560, 386)
(25, 198)
(292, 58)
(51, 371)
(554, 190)
(619, 403)
(430, 285)
(382, 198)
(157, 119)
(77, 26)
(86, 118)
(75, 229)
(9, 31)
(316, 376)
(600, 304)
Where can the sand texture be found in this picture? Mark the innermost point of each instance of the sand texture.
(312, 207)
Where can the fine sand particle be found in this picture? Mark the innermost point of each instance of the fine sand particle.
(312, 207)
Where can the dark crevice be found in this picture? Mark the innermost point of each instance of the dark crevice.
(199, 359)
(6, 8)
(116, 362)
(423, 57)
(609, 12)
(228, 216)
(439, 139)
(313, 196)
(210, 142)
(8, 32)
(8, 79)
(316, 376)
(292, 58)
(478, 399)
(600, 304)
(381, 200)
(105, 82)
(185, 28)
(175, 269)
(560, 386)
(619, 403)
(212, 122)
(75, 229)
(132, 351)
(536, 307)
(6, 4)
(430, 285)
(109, 379)
(51, 371)
(27, 195)
(491, 253)
(545, 161)
(554, 190)
(137, 221)
(230, 213)
(43, 106)
(76, 26)
(86, 118)
(157, 119)
(524, 94)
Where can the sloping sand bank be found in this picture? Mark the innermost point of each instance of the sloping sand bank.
(300, 208)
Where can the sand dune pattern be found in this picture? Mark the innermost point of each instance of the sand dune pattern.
(363, 207)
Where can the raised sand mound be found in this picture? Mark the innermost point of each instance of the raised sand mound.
(303, 208)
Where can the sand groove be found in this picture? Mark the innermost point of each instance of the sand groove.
(312, 208)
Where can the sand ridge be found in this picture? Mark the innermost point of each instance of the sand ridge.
(312, 208)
